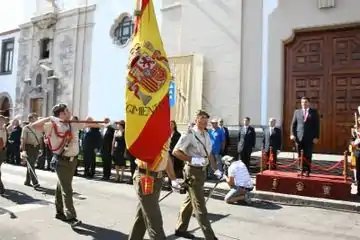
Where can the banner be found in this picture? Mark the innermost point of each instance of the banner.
(147, 92)
(172, 95)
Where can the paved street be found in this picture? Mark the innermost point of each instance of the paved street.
(107, 210)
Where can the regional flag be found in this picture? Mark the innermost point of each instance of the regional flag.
(147, 93)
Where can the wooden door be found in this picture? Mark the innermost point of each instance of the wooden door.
(324, 66)
(36, 105)
(5, 107)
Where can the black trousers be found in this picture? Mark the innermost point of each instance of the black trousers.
(307, 147)
(89, 162)
(107, 161)
(14, 153)
(245, 156)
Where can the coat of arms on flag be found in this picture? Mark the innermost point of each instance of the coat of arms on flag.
(147, 92)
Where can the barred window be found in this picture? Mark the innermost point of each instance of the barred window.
(124, 30)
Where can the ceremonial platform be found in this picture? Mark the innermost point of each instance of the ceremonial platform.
(316, 185)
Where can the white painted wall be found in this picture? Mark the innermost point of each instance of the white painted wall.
(229, 36)
(8, 81)
(108, 63)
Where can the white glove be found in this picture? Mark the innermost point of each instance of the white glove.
(23, 155)
(218, 174)
(198, 161)
(175, 184)
(357, 141)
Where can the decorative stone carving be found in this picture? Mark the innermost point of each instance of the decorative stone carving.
(275, 184)
(66, 56)
(327, 190)
(45, 21)
(300, 186)
(324, 4)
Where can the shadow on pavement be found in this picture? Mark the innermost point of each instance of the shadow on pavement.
(99, 233)
(212, 218)
(5, 211)
(49, 191)
(261, 205)
(18, 197)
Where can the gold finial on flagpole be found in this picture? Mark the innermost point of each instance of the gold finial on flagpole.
(137, 11)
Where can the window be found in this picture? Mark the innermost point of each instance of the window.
(124, 30)
(44, 48)
(7, 56)
(38, 80)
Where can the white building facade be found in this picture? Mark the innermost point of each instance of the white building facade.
(8, 71)
(314, 51)
(312, 48)
(224, 39)
(86, 45)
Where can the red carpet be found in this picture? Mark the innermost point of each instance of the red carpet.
(316, 185)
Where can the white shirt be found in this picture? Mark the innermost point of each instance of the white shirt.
(241, 175)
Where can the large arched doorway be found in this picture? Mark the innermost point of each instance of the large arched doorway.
(5, 105)
(324, 66)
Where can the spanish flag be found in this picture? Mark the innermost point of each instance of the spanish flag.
(147, 92)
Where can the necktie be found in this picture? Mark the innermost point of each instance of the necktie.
(305, 114)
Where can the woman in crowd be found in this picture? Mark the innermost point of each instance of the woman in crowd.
(178, 164)
(118, 151)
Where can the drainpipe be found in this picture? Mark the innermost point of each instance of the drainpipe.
(83, 57)
(241, 61)
(75, 56)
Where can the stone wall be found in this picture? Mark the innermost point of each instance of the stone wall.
(68, 47)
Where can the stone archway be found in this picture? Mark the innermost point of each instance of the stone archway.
(6, 104)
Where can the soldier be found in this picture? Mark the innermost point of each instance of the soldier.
(30, 145)
(3, 139)
(194, 148)
(148, 214)
(62, 139)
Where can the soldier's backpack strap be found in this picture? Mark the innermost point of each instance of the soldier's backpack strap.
(202, 144)
(38, 141)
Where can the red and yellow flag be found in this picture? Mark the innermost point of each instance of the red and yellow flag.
(147, 92)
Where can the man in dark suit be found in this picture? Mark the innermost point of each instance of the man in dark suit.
(305, 131)
(227, 137)
(106, 150)
(272, 138)
(91, 145)
(247, 139)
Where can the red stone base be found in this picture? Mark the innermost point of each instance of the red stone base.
(316, 185)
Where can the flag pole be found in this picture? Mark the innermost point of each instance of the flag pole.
(138, 8)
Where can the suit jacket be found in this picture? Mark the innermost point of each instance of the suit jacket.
(107, 140)
(174, 139)
(227, 137)
(15, 135)
(272, 139)
(247, 139)
(92, 139)
(305, 130)
(357, 147)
